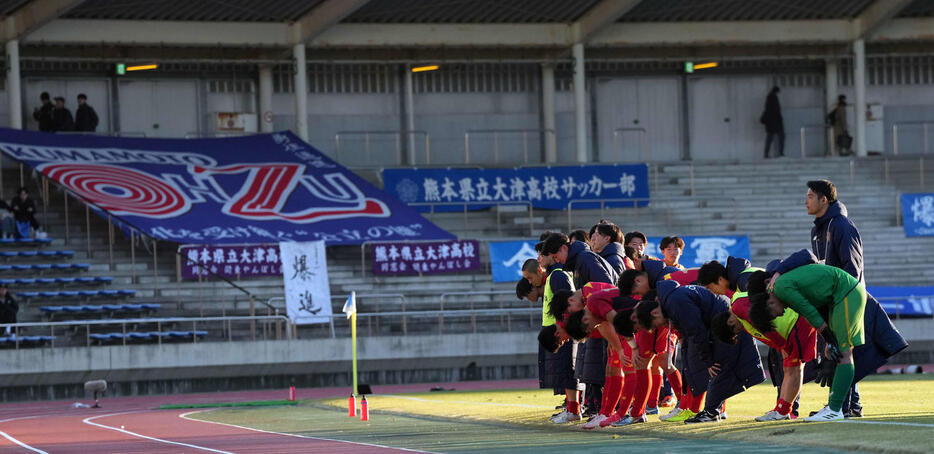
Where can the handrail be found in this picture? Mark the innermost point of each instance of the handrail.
(497, 204)
(397, 133)
(496, 132)
(831, 139)
(158, 321)
(617, 134)
(923, 124)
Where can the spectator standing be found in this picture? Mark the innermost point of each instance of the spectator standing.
(8, 307)
(774, 124)
(7, 222)
(43, 113)
(24, 211)
(61, 116)
(85, 117)
(837, 120)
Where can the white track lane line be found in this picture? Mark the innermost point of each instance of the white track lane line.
(24, 445)
(372, 445)
(177, 443)
(889, 423)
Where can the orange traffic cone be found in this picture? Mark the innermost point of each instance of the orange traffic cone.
(352, 406)
(364, 412)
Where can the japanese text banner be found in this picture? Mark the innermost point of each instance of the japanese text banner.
(262, 188)
(425, 257)
(543, 187)
(234, 262)
(918, 214)
(305, 274)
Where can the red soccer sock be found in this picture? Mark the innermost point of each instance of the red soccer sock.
(654, 391)
(697, 402)
(574, 407)
(783, 407)
(625, 398)
(674, 378)
(612, 389)
(641, 395)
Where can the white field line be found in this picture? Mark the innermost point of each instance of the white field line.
(24, 445)
(89, 421)
(372, 445)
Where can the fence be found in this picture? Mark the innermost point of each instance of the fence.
(497, 207)
(275, 327)
(902, 125)
(509, 136)
(376, 140)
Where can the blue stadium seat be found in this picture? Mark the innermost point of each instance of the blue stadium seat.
(25, 240)
(65, 280)
(113, 307)
(49, 294)
(201, 333)
(179, 334)
(44, 240)
(61, 266)
(42, 266)
(51, 309)
(109, 292)
(64, 253)
(158, 334)
(26, 281)
(92, 308)
(48, 253)
(135, 335)
(19, 267)
(68, 293)
(4, 267)
(115, 336)
(72, 308)
(80, 266)
(7, 281)
(28, 253)
(7, 240)
(132, 307)
(125, 292)
(27, 294)
(103, 279)
(45, 280)
(88, 293)
(84, 280)
(100, 337)
(151, 307)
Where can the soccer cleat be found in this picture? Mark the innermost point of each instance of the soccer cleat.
(681, 417)
(668, 401)
(825, 414)
(703, 416)
(595, 421)
(772, 415)
(611, 419)
(651, 411)
(853, 414)
(628, 421)
(589, 413)
(565, 417)
(723, 415)
(674, 412)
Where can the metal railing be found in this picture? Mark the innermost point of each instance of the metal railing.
(924, 135)
(497, 133)
(226, 323)
(829, 141)
(496, 204)
(618, 141)
(341, 139)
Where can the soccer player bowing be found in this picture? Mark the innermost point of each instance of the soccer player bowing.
(718, 369)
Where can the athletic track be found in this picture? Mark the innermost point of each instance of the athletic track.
(56, 427)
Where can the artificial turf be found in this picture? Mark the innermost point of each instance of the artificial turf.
(899, 417)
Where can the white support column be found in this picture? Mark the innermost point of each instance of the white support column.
(265, 98)
(548, 113)
(410, 117)
(580, 103)
(13, 90)
(301, 92)
(830, 84)
(859, 84)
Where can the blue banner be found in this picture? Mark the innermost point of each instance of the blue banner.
(507, 257)
(699, 250)
(905, 301)
(551, 188)
(255, 189)
(918, 214)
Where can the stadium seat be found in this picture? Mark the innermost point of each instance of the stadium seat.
(19, 267)
(151, 307)
(42, 266)
(113, 307)
(138, 336)
(68, 293)
(26, 295)
(103, 279)
(51, 309)
(45, 280)
(109, 292)
(125, 292)
(88, 293)
(4, 267)
(72, 308)
(26, 281)
(28, 253)
(7, 281)
(132, 307)
(92, 308)
(100, 337)
(48, 253)
(49, 294)
(65, 280)
(64, 253)
(5, 241)
(9, 253)
(84, 280)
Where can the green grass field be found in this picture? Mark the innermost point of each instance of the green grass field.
(899, 418)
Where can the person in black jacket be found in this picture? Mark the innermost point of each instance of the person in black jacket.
(24, 211)
(61, 116)
(85, 116)
(774, 124)
(605, 240)
(43, 113)
(8, 307)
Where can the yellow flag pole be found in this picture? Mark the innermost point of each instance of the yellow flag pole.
(353, 337)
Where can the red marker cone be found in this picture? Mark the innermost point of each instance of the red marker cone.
(352, 406)
(364, 412)
(292, 393)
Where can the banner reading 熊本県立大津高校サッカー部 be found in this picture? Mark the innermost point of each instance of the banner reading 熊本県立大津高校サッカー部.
(262, 188)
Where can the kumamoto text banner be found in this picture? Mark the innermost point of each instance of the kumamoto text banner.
(425, 258)
(263, 188)
(543, 187)
(235, 261)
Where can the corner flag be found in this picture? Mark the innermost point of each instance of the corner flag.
(350, 306)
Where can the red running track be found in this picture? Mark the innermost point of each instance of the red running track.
(56, 427)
